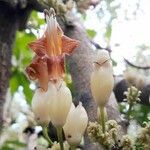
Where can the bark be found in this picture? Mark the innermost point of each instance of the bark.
(80, 63)
(8, 28)
(13, 17)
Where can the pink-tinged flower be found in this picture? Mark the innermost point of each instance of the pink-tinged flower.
(50, 49)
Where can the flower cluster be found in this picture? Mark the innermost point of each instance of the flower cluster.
(109, 139)
(52, 102)
(132, 95)
(143, 138)
(126, 143)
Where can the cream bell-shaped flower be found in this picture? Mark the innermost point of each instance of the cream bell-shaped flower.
(41, 102)
(102, 80)
(76, 124)
(60, 106)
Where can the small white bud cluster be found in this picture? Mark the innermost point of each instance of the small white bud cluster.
(132, 95)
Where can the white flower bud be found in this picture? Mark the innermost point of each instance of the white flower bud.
(76, 124)
(102, 80)
(102, 56)
(60, 106)
(41, 103)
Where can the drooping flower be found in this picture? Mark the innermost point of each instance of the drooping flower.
(60, 106)
(41, 102)
(102, 80)
(75, 125)
(50, 49)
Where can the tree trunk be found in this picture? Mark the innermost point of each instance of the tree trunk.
(13, 17)
(80, 63)
(8, 28)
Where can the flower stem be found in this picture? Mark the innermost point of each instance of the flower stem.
(60, 137)
(73, 147)
(129, 111)
(45, 133)
(102, 118)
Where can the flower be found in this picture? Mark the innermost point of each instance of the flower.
(76, 124)
(50, 49)
(41, 102)
(60, 105)
(132, 95)
(38, 69)
(126, 143)
(102, 80)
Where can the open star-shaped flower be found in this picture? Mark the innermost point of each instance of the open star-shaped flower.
(50, 49)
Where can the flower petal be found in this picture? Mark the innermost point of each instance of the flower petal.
(38, 46)
(38, 70)
(68, 44)
(56, 67)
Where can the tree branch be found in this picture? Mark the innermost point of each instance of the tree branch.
(126, 60)
(136, 66)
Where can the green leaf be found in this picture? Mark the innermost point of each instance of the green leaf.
(84, 16)
(8, 145)
(114, 62)
(70, 85)
(16, 143)
(35, 20)
(21, 48)
(21, 51)
(19, 79)
(68, 80)
(23, 56)
(91, 33)
(5, 147)
(108, 32)
(14, 82)
(27, 91)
